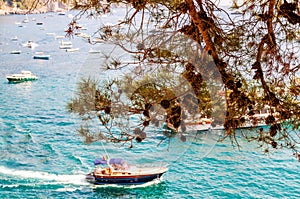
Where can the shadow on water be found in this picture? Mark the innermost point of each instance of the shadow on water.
(151, 191)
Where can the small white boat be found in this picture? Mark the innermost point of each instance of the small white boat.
(15, 52)
(82, 28)
(23, 76)
(97, 40)
(26, 20)
(50, 34)
(15, 38)
(59, 37)
(81, 34)
(70, 16)
(41, 56)
(30, 44)
(65, 46)
(206, 124)
(72, 49)
(66, 43)
(94, 51)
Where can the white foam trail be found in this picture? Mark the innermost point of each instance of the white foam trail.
(63, 179)
(10, 186)
(69, 189)
(81, 161)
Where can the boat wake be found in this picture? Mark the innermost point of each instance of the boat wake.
(46, 177)
(57, 179)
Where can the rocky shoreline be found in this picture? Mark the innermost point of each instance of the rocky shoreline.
(58, 7)
(21, 12)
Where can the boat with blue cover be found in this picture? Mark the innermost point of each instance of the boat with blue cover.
(117, 171)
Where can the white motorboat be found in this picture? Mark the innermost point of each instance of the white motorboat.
(59, 37)
(94, 51)
(15, 52)
(41, 55)
(205, 124)
(30, 44)
(23, 76)
(26, 20)
(66, 45)
(15, 38)
(72, 49)
(117, 171)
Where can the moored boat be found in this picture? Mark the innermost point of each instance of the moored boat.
(66, 45)
(41, 55)
(15, 38)
(29, 44)
(256, 121)
(59, 37)
(15, 52)
(94, 51)
(23, 76)
(26, 20)
(61, 13)
(117, 171)
(72, 49)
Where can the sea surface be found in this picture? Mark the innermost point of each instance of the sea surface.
(42, 155)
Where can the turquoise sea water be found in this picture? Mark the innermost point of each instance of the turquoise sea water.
(43, 157)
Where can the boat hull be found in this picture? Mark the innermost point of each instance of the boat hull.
(16, 80)
(45, 57)
(15, 52)
(121, 180)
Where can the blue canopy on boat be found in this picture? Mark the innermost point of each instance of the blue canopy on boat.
(116, 161)
(111, 161)
(99, 161)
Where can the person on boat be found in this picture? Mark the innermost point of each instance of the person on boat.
(117, 167)
(118, 164)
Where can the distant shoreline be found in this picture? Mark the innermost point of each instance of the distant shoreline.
(7, 10)
(24, 12)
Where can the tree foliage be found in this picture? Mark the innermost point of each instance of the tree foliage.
(192, 59)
